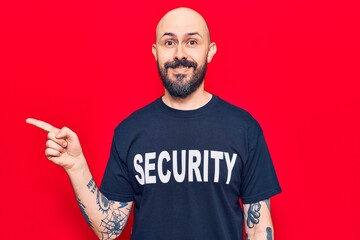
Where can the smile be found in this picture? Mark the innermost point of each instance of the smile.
(181, 69)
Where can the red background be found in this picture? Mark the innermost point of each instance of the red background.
(294, 65)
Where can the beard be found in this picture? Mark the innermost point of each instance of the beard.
(181, 87)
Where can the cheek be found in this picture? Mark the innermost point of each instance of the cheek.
(164, 56)
(199, 56)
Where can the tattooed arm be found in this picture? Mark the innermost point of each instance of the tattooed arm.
(258, 224)
(107, 218)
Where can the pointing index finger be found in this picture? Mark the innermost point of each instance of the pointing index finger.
(42, 125)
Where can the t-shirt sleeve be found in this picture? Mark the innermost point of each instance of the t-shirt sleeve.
(259, 180)
(116, 184)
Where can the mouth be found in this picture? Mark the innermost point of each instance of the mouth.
(180, 69)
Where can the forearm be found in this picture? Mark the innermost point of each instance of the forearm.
(261, 233)
(258, 223)
(86, 198)
(105, 217)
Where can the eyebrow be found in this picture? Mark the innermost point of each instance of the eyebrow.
(188, 34)
(194, 33)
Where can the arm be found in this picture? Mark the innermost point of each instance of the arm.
(107, 218)
(258, 224)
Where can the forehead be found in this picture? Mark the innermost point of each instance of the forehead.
(181, 23)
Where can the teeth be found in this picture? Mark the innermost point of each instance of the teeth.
(180, 67)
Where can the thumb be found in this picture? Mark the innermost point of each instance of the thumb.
(73, 147)
(66, 133)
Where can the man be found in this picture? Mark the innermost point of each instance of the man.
(183, 161)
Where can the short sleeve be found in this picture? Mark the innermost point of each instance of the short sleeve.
(259, 180)
(115, 184)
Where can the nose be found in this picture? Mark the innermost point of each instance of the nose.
(180, 52)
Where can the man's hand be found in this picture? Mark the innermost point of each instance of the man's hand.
(62, 147)
(107, 218)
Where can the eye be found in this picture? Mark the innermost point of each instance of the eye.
(169, 43)
(192, 42)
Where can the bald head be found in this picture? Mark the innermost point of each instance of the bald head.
(182, 21)
(182, 51)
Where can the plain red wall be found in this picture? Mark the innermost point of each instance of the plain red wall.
(294, 65)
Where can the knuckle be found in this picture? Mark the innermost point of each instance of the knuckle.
(49, 152)
(48, 143)
(67, 129)
(63, 143)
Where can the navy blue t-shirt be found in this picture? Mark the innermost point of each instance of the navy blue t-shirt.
(186, 170)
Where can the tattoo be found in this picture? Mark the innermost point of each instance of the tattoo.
(114, 222)
(115, 217)
(267, 201)
(102, 202)
(91, 185)
(82, 208)
(247, 237)
(253, 214)
(269, 233)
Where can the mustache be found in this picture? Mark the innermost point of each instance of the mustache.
(178, 63)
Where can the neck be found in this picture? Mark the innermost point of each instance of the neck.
(194, 101)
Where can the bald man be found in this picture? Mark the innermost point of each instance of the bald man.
(184, 161)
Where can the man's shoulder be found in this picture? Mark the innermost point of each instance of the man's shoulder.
(236, 113)
(146, 112)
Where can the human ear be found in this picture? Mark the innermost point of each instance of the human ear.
(211, 52)
(154, 51)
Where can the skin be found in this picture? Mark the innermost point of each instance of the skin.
(63, 148)
(257, 219)
(181, 33)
